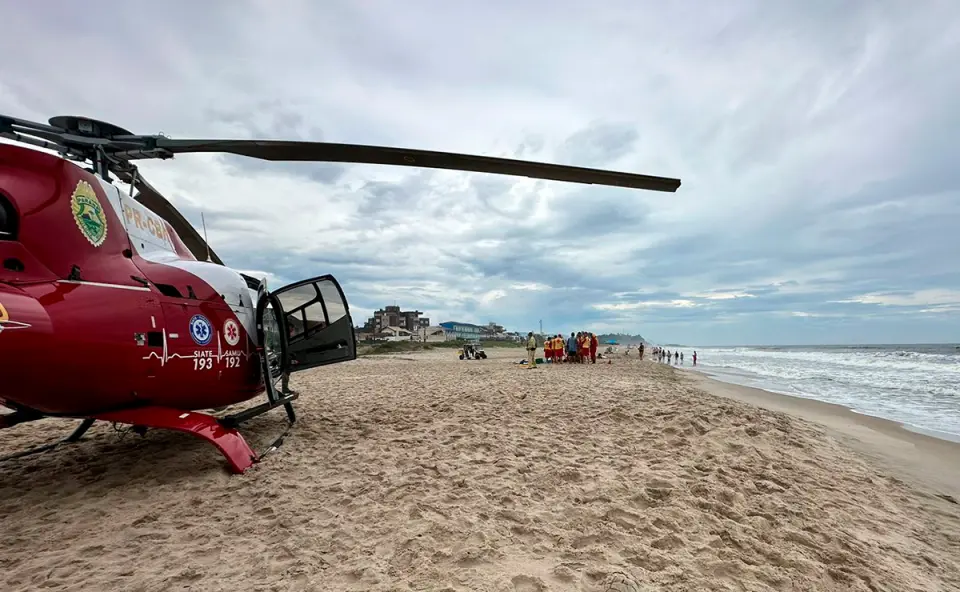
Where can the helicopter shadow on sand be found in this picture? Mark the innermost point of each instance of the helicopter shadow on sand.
(111, 456)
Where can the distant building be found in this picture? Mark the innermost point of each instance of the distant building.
(455, 330)
(432, 334)
(392, 316)
(515, 336)
(395, 334)
(494, 329)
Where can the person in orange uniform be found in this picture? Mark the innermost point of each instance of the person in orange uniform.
(594, 345)
(548, 350)
(583, 347)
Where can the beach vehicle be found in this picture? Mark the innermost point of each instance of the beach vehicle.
(472, 351)
(113, 307)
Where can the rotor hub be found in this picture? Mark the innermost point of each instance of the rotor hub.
(85, 126)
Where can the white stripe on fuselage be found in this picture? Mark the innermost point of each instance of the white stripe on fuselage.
(104, 285)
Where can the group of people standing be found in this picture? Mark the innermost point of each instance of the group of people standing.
(664, 355)
(578, 348)
(582, 346)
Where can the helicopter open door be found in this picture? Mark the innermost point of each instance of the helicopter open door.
(312, 320)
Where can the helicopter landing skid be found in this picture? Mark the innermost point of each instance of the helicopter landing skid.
(73, 437)
(228, 441)
(221, 432)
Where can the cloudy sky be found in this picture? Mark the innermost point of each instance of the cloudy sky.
(816, 142)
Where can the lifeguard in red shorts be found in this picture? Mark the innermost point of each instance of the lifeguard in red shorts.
(583, 347)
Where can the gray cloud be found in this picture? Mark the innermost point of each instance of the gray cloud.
(815, 142)
(273, 120)
(598, 145)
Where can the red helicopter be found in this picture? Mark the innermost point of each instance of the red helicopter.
(114, 308)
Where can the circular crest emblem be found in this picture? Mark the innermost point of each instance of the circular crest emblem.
(231, 332)
(89, 214)
(200, 330)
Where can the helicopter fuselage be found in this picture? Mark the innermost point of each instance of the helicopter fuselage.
(103, 307)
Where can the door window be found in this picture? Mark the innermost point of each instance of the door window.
(333, 301)
(295, 302)
(319, 330)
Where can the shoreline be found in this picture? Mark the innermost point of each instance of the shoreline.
(915, 456)
(726, 378)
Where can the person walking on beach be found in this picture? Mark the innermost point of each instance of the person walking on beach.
(531, 350)
(594, 346)
(681, 358)
(694, 357)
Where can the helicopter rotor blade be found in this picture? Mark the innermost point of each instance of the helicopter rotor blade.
(158, 204)
(280, 150)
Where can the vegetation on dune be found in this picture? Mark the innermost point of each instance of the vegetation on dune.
(621, 338)
(396, 347)
(391, 347)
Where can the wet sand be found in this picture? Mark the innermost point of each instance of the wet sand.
(422, 472)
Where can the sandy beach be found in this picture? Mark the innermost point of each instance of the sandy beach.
(422, 472)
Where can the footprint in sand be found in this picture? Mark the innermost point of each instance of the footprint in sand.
(668, 542)
(623, 518)
(663, 524)
(621, 582)
(524, 583)
(584, 541)
(659, 489)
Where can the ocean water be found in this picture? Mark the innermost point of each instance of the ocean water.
(916, 385)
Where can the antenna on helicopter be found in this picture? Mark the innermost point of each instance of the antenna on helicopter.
(204, 223)
(133, 180)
